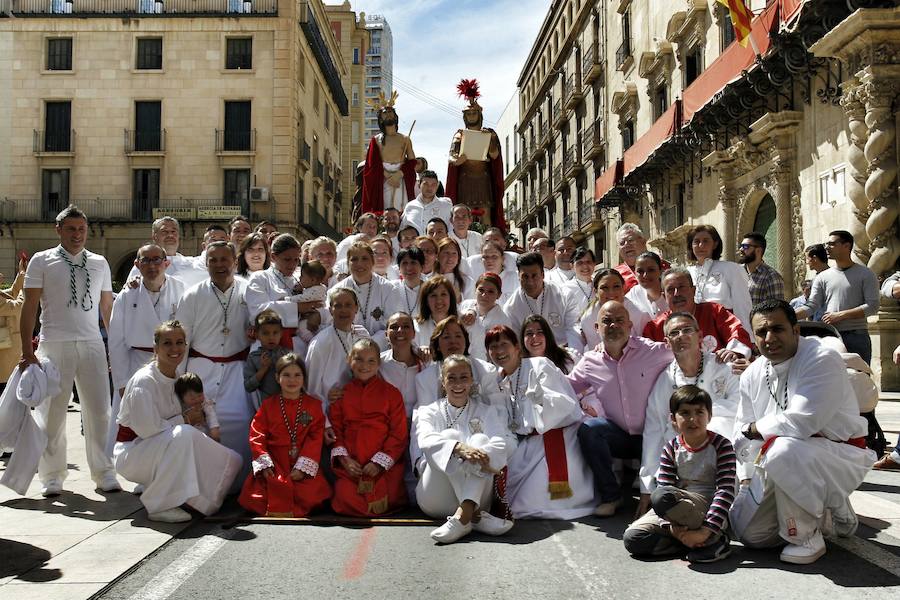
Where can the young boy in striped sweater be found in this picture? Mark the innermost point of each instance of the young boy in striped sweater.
(695, 488)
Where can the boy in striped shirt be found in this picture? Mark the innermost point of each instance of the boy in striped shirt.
(695, 488)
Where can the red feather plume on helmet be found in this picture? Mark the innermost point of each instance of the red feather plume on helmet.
(468, 88)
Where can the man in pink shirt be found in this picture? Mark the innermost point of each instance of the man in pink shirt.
(621, 379)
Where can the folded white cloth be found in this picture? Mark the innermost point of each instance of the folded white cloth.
(38, 382)
(20, 429)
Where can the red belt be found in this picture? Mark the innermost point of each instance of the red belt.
(242, 355)
(142, 349)
(126, 434)
(287, 335)
(859, 442)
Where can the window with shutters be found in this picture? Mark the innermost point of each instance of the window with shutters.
(238, 134)
(59, 54)
(145, 194)
(148, 126)
(239, 53)
(149, 54)
(58, 127)
(236, 188)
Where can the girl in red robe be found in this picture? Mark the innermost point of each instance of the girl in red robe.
(369, 422)
(286, 444)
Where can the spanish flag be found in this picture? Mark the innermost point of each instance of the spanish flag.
(740, 18)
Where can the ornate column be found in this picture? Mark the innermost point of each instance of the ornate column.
(868, 43)
(723, 165)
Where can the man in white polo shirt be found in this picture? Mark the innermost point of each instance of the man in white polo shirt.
(427, 205)
(70, 284)
(469, 241)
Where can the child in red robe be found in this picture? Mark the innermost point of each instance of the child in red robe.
(369, 422)
(286, 444)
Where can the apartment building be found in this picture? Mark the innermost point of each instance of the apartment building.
(379, 69)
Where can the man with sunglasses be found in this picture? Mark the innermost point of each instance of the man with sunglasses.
(765, 283)
(136, 312)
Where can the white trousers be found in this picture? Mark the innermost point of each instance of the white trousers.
(777, 520)
(439, 493)
(85, 364)
(179, 466)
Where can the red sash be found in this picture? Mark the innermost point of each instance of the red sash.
(242, 355)
(557, 464)
(287, 335)
(859, 442)
(125, 434)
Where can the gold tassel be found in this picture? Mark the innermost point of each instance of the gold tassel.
(365, 486)
(378, 507)
(280, 515)
(559, 490)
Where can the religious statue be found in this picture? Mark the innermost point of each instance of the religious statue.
(389, 175)
(476, 180)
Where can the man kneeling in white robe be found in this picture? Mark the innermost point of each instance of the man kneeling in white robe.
(799, 419)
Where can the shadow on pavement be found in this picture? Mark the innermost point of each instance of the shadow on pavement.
(114, 507)
(26, 562)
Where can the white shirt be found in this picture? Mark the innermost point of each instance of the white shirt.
(724, 282)
(402, 377)
(556, 306)
(375, 299)
(404, 299)
(470, 245)
(581, 292)
(345, 244)
(191, 270)
(270, 289)
(326, 360)
(202, 312)
(642, 301)
(482, 325)
(559, 276)
(417, 213)
(60, 321)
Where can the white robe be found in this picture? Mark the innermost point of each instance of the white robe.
(424, 330)
(815, 472)
(404, 299)
(429, 388)
(482, 325)
(445, 481)
(134, 318)
(271, 290)
(556, 306)
(188, 269)
(471, 245)
(642, 301)
(509, 275)
(22, 429)
(545, 401)
(559, 276)
(588, 321)
(201, 314)
(581, 292)
(373, 306)
(717, 380)
(724, 282)
(174, 462)
(417, 213)
(403, 378)
(326, 360)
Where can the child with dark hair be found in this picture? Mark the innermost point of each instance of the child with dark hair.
(696, 486)
(189, 389)
(259, 371)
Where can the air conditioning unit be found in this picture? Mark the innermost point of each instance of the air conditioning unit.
(259, 194)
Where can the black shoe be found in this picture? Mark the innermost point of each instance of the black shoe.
(716, 551)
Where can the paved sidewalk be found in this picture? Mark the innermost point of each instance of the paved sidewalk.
(72, 546)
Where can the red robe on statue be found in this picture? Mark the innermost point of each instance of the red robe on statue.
(270, 445)
(716, 323)
(369, 423)
(373, 179)
(498, 217)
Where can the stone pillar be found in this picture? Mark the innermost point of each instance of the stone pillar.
(868, 43)
(722, 164)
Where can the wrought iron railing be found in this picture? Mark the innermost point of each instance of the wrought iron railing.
(142, 140)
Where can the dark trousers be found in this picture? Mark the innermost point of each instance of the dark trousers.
(601, 441)
(858, 341)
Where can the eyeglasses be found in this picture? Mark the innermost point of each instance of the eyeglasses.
(677, 333)
(746, 246)
(156, 260)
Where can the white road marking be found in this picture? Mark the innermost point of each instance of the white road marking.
(180, 570)
(585, 572)
(870, 553)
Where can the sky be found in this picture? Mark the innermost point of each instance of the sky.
(439, 42)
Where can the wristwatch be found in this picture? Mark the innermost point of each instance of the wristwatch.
(747, 432)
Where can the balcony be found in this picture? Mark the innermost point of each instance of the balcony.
(545, 136)
(305, 154)
(573, 92)
(140, 8)
(544, 191)
(528, 155)
(555, 232)
(49, 143)
(589, 215)
(141, 142)
(568, 224)
(558, 114)
(319, 225)
(329, 185)
(532, 201)
(122, 210)
(623, 56)
(235, 141)
(558, 180)
(592, 141)
(319, 171)
(572, 160)
(591, 68)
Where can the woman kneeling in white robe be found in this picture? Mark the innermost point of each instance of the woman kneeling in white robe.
(548, 476)
(462, 447)
(176, 463)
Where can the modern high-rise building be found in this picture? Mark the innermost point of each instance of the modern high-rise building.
(379, 67)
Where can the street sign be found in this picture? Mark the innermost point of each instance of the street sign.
(215, 213)
(182, 214)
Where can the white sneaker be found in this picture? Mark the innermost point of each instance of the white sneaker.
(807, 553)
(607, 509)
(451, 531)
(51, 487)
(109, 483)
(172, 515)
(491, 525)
(138, 489)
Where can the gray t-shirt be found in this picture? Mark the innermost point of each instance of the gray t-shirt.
(836, 289)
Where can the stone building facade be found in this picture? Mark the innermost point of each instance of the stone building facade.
(136, 108)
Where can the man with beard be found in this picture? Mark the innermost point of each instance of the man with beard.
(476, 182)
(389, 176)
(765, 282)
(390, 221)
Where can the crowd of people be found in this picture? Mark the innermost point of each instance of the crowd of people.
(422, 363)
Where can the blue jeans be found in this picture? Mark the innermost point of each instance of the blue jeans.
(601, 441)
(858, 341)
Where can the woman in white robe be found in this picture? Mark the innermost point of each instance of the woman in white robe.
(609, 285)
(373, 292)
(176, 463)
(437, 301)
(494, 260)
(716, 280)
(483, 312)
(463, 445)
(648, 295)
(581, 286)
(542, 410)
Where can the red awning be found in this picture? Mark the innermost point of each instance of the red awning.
(726, 68)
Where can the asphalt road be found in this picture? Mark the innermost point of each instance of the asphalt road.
(537, 559)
